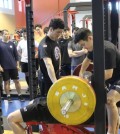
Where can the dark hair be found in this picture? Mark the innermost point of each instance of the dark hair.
(66, 29)
(38, 25)
(4, 30)
(1, 32)
(45, 30)
(23, 30)
(75, 29)
(56, 23)
(82, 34)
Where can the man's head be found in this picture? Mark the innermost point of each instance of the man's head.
(56, 28)
(24, 33)
(84, 37)
(38, 29)
(5, 35)
(66, 33)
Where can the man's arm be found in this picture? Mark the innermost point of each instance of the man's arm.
(84, 66)
(1, 69)
(76, 53)
(19, 50)
(72, 53)
(60, 63)
(18, 66)
(50, 69)
(108, 73)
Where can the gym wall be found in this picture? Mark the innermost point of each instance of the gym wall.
(43, 11)
(7, 22)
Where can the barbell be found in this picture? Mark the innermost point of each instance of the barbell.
(71, 100)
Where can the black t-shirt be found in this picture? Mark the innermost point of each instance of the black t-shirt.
(49, 48)
(65, 59)
(8, 55)
(112, 60)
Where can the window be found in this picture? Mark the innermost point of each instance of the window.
(110, 6)
(7, 6)
(1, 3)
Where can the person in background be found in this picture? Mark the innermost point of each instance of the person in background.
(38, 33)
(22, 49)
(0, 35)
(76, 52)
(23, 54)
(65, 59)
(45, 30)
(9, 64)
(1, 79)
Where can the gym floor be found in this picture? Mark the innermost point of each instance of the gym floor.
(8, 107)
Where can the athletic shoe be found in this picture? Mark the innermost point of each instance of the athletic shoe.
(21, 98)
(9, 98)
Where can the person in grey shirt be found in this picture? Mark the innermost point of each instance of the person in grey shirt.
(76, 52)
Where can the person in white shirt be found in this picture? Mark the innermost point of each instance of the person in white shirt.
(23, 52)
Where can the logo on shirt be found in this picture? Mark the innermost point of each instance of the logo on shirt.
(10, 46)
(44, 45)
(57, 53)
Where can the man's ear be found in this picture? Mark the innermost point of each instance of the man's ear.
(51, 29)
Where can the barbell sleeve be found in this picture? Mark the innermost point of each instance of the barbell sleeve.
(66, 107)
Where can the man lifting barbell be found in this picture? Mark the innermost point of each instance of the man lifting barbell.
(112, 74)
(49, 65)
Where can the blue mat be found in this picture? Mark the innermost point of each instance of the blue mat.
(8, 107)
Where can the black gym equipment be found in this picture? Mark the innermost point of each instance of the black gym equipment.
(31, 50)
(98, 85)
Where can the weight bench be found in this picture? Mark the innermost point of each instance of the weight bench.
(57, 128)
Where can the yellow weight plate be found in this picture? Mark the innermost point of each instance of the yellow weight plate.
(75, 95)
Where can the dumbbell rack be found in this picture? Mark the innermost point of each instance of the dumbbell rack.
(57, 128)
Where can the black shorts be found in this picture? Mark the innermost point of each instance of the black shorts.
(37, 112)
(24, 67)
(10, 74)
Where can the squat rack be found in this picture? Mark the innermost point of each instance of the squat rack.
(98, 38)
